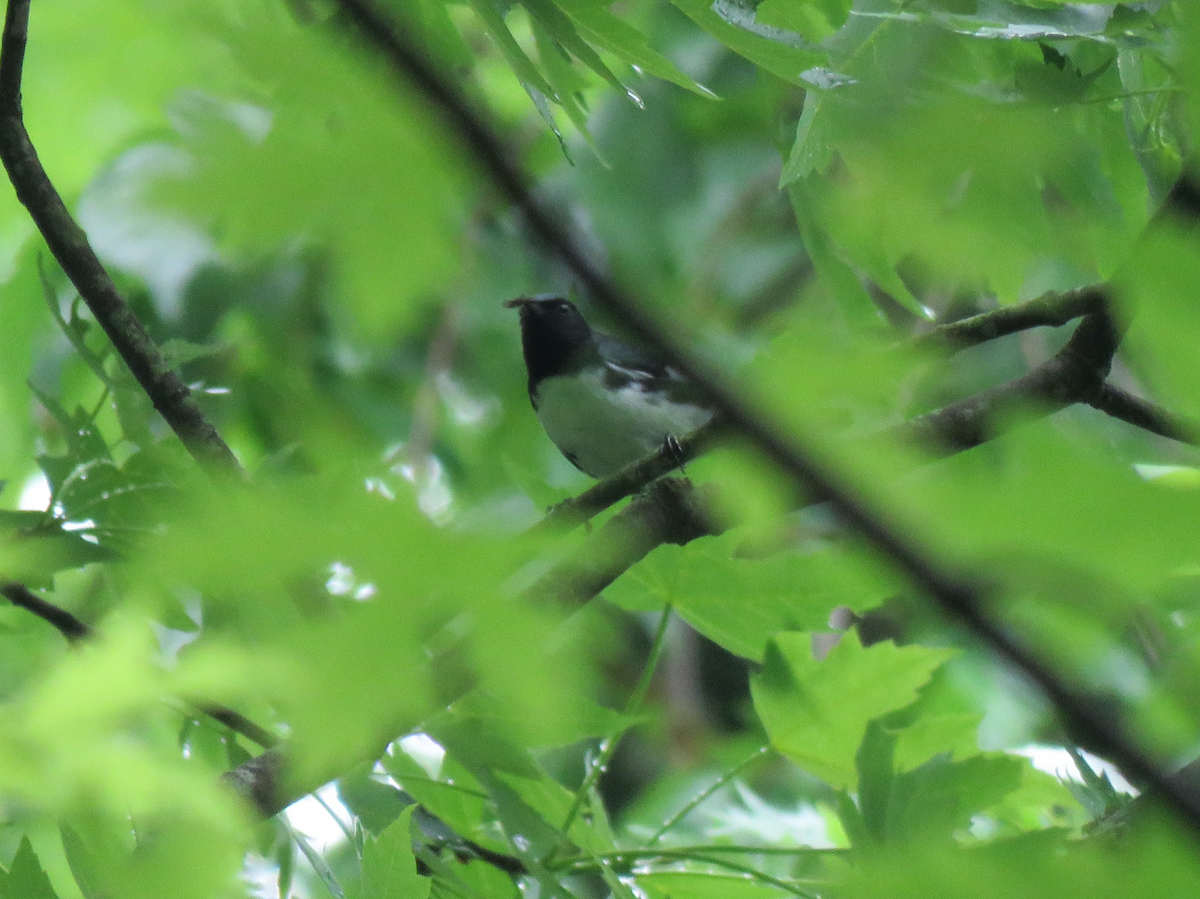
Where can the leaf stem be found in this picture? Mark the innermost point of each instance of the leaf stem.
(338, 821)
(703, 854)
(704, 794)
(608, 745)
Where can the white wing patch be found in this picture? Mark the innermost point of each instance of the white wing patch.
(604, 430)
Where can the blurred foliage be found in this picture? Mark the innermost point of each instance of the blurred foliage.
(797, 186)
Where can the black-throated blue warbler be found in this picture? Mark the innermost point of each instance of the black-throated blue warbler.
(604, 403)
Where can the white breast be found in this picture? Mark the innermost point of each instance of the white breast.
(601, 430)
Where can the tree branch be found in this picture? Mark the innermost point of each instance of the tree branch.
(576, 510)
(962, 597)
(69, 244)
(1144, 414)
(74, 630)
(1075, 374)
(259, 781)
(670, 510)
(1051, 309)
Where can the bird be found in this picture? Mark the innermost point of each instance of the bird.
(604, 403)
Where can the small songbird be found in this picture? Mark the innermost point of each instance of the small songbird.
(604, 403)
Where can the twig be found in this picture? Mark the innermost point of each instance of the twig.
(74, 630)
(962, 597)
(1144, 414)
(702, 854)
(67, 624)
(1051, 309)
(236, 722)
(69, 244)
(1075, 374)
(705, 855)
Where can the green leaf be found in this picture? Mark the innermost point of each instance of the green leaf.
(934, 733)
(285, 858)
(559, 26)
(742, 603)
(26, 879)
(456, 797)
(552, 802)
(811, 152)
(389, 869)
(1038, 864)
(81, 862)
(567, 84)
(319, 865)
(840, 278)
(1158, 284)
(486, 881)
(694, 885)
(527, 73)
(376, 805)
(1056, 80)
(1065, 509)
(482, 743)
(733, 25)
(874, 762)
(941, 796)
(814, 19)
(617, 36)
(333, 153)
(816, 712)
(33, 548)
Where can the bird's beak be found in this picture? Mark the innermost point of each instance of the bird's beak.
(518, 303)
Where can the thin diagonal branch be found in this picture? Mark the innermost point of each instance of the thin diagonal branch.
(1051, 309)
(963, 598)
(236, 722)
(67, 241)
(1144, 414)
(74, 630)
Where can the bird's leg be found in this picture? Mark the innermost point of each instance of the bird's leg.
(672, 448)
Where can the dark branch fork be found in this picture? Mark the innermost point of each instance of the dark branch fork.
(963, 598)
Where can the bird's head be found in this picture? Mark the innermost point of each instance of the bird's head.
(553, 333)
(551, 313)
